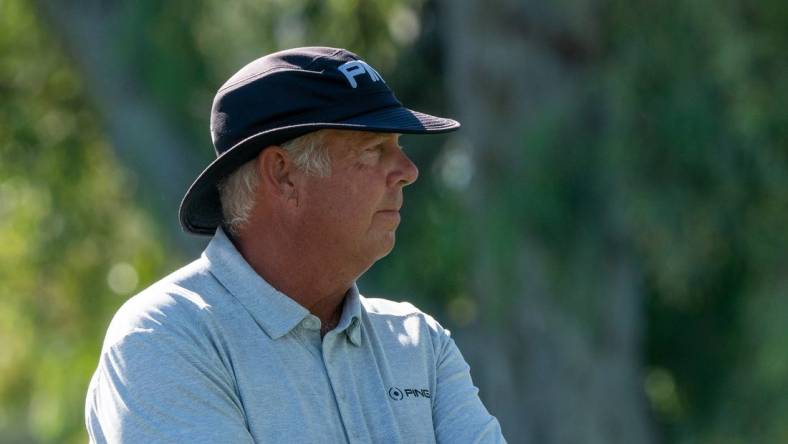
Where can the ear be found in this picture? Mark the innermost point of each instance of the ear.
(278, 174)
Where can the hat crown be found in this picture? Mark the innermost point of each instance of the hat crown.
(295, 86)
(313, 58)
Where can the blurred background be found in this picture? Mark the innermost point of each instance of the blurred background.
(606, 236)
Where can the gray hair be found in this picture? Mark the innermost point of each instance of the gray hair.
(237, 191)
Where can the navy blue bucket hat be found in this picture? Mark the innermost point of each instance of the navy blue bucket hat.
(287, 94)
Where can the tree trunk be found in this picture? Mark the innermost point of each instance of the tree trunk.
(557, 355)
(143, 137)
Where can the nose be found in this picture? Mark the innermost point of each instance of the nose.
(405, 172)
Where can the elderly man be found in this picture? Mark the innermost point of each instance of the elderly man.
(265, 337)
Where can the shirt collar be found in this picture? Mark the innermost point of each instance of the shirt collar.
(350, 321)
(275, 312)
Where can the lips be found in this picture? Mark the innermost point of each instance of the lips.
(395, 206)
(392, 215)
(392, 208)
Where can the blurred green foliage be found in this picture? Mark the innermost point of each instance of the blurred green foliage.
(697, 139)
(700, 140)
(73, 244)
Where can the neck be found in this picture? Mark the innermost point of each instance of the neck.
(300, 271)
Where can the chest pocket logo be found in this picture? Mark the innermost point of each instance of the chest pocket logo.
(398, 394)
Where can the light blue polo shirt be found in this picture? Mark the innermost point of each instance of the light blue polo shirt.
(214, 354)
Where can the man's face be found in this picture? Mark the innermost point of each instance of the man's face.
(355, 211)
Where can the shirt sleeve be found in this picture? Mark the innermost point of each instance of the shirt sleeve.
(157, 386)
(458, 413)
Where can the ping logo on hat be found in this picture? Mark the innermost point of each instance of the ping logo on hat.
(356, 68)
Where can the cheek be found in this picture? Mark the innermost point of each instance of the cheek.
(335, 204)
(354, 191)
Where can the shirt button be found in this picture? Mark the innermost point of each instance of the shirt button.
(311, 323)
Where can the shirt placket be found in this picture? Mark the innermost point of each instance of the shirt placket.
(333, 343)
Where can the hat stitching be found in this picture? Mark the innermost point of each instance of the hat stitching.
(288, 67)
(322, 57)
(259, 74)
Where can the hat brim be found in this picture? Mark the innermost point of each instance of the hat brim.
(201, 210)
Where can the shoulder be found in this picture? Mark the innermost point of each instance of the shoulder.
(164, 360)
(388, 307)
(180, 304)
(403, 314)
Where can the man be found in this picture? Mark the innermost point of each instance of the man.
(265, 337)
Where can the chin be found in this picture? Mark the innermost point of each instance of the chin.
(385, 246)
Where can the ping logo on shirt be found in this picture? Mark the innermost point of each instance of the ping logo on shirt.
(397, 394)
(355, 68)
